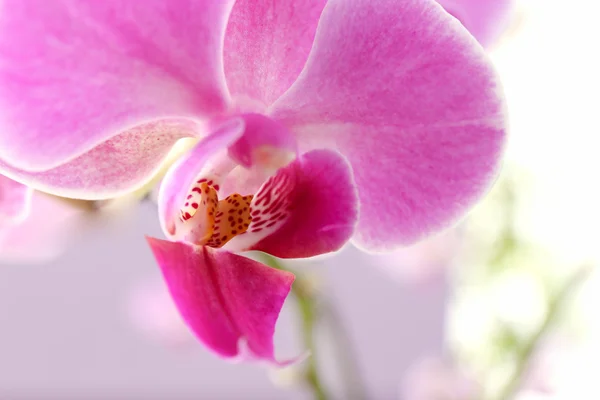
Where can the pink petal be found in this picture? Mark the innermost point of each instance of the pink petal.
(14, 201)
(46, 232)
(75, 73)
(152, 310)
(409, 98)
(182, 174)
(266, 46)
(485, 19)
(434, 378)
(113, 168)
(224, 298)
(322, 204)
(428, 259)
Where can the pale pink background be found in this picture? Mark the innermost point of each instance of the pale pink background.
(65, 331)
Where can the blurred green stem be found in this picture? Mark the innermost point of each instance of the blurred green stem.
(529, 348)
(308, 314)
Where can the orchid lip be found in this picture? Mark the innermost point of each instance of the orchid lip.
(206, 220)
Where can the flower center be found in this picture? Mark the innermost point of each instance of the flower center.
(214, 222)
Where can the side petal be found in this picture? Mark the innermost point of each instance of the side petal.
(408, 96)
(15, 201)
(266, 46)
(75, 73)
(49, 228)
(224, 298)
(308, 208)
(425, 260)
(485, 19)
(113, 168)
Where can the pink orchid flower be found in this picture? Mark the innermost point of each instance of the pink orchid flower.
(15, 200)
(34, 227)
(485, 19)
(151, 310)
(306, 110)
(434, 378)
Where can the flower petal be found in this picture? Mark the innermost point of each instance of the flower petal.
(485, 19)
(308, 208)
(113, 168)
(436, 378)
(50, 226)
(428, 259)
(153, 312)
(266, 46)
(182, 174)
(15, 200)
(224, 298)
(75, 73)
(409, 98)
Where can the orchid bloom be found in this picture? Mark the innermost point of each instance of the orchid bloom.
(306, 111)
(15, 200)
(151, 311)
(485, 19)
(434, 378)
(34, 227)
(427, 260)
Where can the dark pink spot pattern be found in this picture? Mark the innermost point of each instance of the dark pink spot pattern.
(271, 205)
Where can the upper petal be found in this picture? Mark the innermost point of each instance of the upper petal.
(407, 95)
(14, 201)
(74, 73)
(266, 46)
(485, 19)
(224, 298)
(308, 208)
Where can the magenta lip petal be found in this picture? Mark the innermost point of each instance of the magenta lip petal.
(323, 208)
(224, 298)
